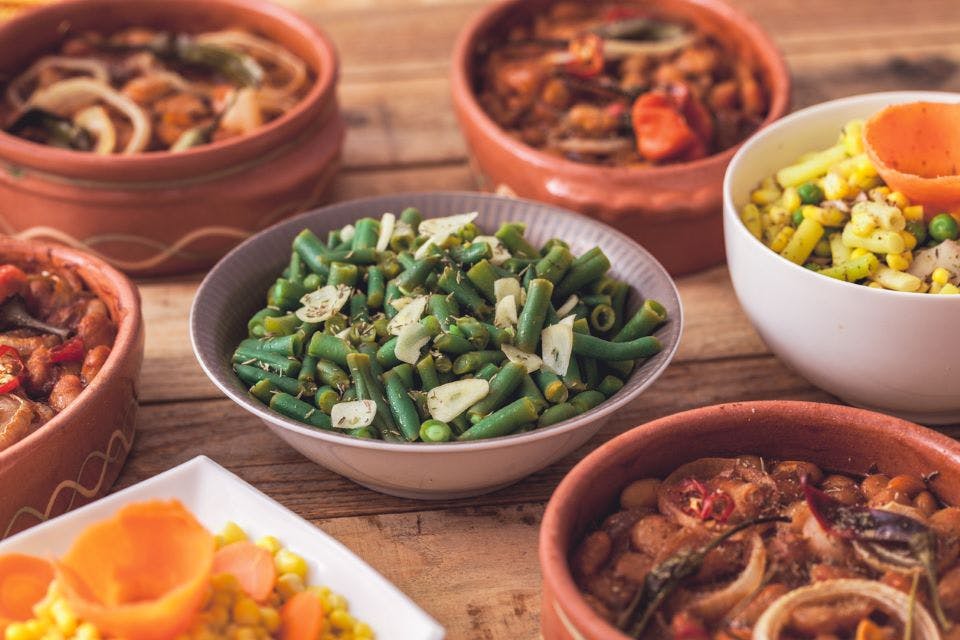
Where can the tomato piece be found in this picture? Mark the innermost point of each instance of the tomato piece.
(586, 52)
(696, 114)
(70, 351)
(662, 132)
(12, 281)
(11, 369)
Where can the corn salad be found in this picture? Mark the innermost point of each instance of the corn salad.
(228, 613)
(831, 213)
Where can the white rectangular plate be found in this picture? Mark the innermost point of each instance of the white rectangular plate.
(215, 495)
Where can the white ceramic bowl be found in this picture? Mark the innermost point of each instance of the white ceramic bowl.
(883, 350)
(233, 291)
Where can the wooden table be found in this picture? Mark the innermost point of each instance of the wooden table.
(472, 564)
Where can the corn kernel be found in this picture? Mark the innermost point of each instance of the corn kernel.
(269, 543)
(940, 275)
(17, 631)
(913, 212)
(790, 199)
(289, 585)
(835, 187)
(782, 239)
(243, 633)
(37, 628)
(270, 618)
(879, 194)
(853, 137)
(859, 252)
(778, 215)
(337, 601)
(362, 630)
(898, 199)
(86, 631)
(65, 620)
(764, 196)
(232, 533)
(340, 619)
(225, 582)
(246, 611)
(289, 562)
(950, 289)
(909, 240)
(899, 261)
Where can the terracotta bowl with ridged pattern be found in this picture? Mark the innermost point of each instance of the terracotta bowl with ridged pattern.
(75, 457)
(834, 437)
(159, 212)
(234, 290)
(673, 210)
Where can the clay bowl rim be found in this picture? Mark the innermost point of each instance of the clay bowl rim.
(125, 345)
(465, 98)
(554, 563)
(600, 412)
(775, 130)
(213, 154)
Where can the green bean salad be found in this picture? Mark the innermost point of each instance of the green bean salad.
(408, 329)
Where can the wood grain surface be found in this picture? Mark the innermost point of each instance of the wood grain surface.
(472, 564)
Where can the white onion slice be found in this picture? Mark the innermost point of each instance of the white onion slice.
(447, 401)
(503, 287)
(556, 342)
(294, 67)
(244, 114)
(353, 415)
(387, 223)
(505, 314)
(411, 339)
(895, 603)
(530, 361)
(713, 605)
(95, 68)
(67, 96)
(409, 314)
(500, 253)
(96, 120)
(321, 304)
(568, 306)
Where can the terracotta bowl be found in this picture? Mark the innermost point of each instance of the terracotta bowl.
(674, 211)
(159, 212)
(74, 458)
(835, 437)
(234, 290)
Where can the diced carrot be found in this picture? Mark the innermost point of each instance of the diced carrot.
(661, 131)
(915, 148)
(24, 581)
(301, 617)
(12, 281)
(140, 575)
(251, 565)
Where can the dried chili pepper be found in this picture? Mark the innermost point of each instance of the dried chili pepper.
(11, 369)
(69, 351)
(716, 504)
(586, 53)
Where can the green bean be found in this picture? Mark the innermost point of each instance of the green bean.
(358, 308)
(297, 409)
(325, 397)
(503, 421)
(596, 299)
(533, 315)
(572, 379)
(473, 253)
(498, 336)
(453, 344)
(427, 372)
(444, 365)
(529, 389)
(589, 371)
(329, 347)
(483, 276)
(335, 324)
(295, 270)
(557, 413)
(392, 293)
(403, 240)
(405, 372)
(435, 431)
(353, 256)
(330, 374)
(460, 424)
(262, 390)
(586, 400)
(308, 372)
(511, 235)
(349, 394)
(638, 349)
(602, 318)
(648, 317)
(285, 295)
(333, 238)
(420, 400)
(515, 266)
(502, 386)
(387, 356)
(362, 432)
(551, 243)
(369, 388)
(487, 371)
(375, 287)
(584, 270)
(555, 264)
(474, 331)
(604, 286)
(528, 275)
(475, 359)
(390, 266)
(252, 375)
(366, 232)
(610, 385)
(412, 217)
(343, 273)
(621, 368)
(380, 327)
(551, 385)
(416, 274)
(284, 365)
(443, 308)
(289, 345)
(311, 250)
(401, 406)
(453, 282)
(618, 302)
(256, 321)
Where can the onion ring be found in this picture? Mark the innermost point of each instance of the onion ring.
(94, 67)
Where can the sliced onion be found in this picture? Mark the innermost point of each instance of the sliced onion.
(320, 305)
(715, 604)
(387, 223)
(263, 49)
(556, 342)
(353, 415)
(447, 401)
(411, 339)
(878, 556)
(529, 361)
(96, 68)
(595, 146)
(895, 603)
(244, 114)
(409, 314)
(69, 95)
(96, 120)
(505, 314)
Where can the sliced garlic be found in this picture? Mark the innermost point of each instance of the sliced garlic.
(353, 415)
(387, 223)
(446, 226)
(530, 361)
(321, 304)
(503, 287)
(412, 338)
(346, 234)
(505, 314)
(500, 253)
(568, 306)
(409, 314)
(557, 346)
(447, 401)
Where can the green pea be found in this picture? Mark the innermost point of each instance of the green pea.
(918, 229)
(944, 227)
(797, 216)
(812, 266)
(435, 431)
(810, 193)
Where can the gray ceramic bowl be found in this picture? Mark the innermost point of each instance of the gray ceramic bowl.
(234, 290)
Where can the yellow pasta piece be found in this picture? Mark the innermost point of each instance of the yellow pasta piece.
(803, 241)
(896, 280)
(835, 187)
(812, 168)
(782, 238)
(790, 199)
(828, 217)
(949, 288)
(909, 239)
(877, 242)
(751, 220)
(853, 137)
(839, 252)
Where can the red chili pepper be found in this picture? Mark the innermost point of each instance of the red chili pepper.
(714, 504)
(69, 351)
(12, 280)
(11, 369)
(587, 56)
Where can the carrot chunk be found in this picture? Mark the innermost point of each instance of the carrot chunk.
(140, 575)
(24, 581)
(301, 618)
(251, 565)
